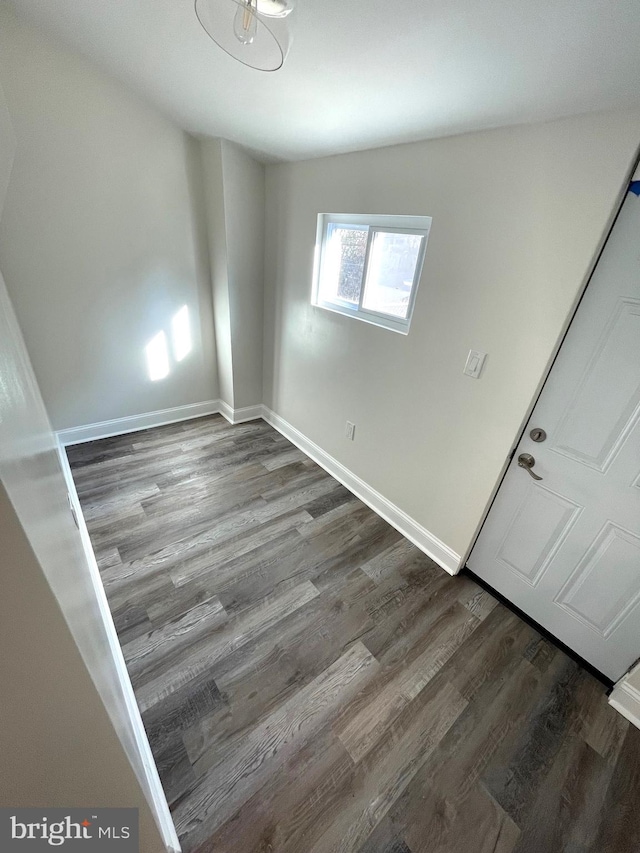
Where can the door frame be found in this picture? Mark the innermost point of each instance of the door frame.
(622, 194)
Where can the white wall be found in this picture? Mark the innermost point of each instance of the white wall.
(100, 243)
(70, 730)
(217, 242)
(244, 201)
(517, 216)
(7, 148)
(235, 188)
(60, 744)
(57, 743)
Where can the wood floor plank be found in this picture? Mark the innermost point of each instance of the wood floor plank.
(285, 457)
(607, 728)
(174, 768)
(176, 603)
(312, 682)
(174, 713)
(390, 560)
(255, 683)
(232, 779)
(435, 806)
(619, 826)
(203, 654)
(571, 819)
(145, 590)
(475, 823)
(325, 503)
(364, 729)
(279, 815)
(387, 770)
(180, 546)
(414, 622)
(107, 509)
(164, 643)
(195, 566)
(495, 712)
(131, 621)
(524, 763)
(479, 602)
(501, 638)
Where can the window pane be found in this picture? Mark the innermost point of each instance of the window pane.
(390, 272)
(343, 263)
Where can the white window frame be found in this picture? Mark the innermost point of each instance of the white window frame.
(373, 223)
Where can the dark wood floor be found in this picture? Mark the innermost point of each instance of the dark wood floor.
(311, 682)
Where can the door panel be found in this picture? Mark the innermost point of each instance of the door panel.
(610, 563)
(527, 549)
(591, 440)
(566, 549)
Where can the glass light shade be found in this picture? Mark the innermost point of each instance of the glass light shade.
(257, 38)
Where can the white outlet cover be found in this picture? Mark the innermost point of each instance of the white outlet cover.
(475, 361)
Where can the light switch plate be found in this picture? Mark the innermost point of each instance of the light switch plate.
(475, 360)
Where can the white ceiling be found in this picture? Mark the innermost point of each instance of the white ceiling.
(365, 73)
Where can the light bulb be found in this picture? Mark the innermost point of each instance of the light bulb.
(245, 23)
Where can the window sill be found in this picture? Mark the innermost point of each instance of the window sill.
(382, 323)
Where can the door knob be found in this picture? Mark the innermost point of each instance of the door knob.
(526, 461)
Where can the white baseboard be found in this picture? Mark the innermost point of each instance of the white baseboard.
(143, 762)
(241, 416)
(409, 527)
(226, 411)
(134, 423)
(626, 699)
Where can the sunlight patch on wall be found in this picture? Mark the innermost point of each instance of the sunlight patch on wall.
(181, 334)
(157, 353)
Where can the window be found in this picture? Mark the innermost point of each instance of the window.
(369, 266)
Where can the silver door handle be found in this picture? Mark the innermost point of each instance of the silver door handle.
(526, 461)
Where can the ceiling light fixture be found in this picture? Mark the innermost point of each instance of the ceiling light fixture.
(254, 32)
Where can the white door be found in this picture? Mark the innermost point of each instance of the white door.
(565, 549)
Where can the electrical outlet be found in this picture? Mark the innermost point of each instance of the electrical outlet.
(350, 431)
